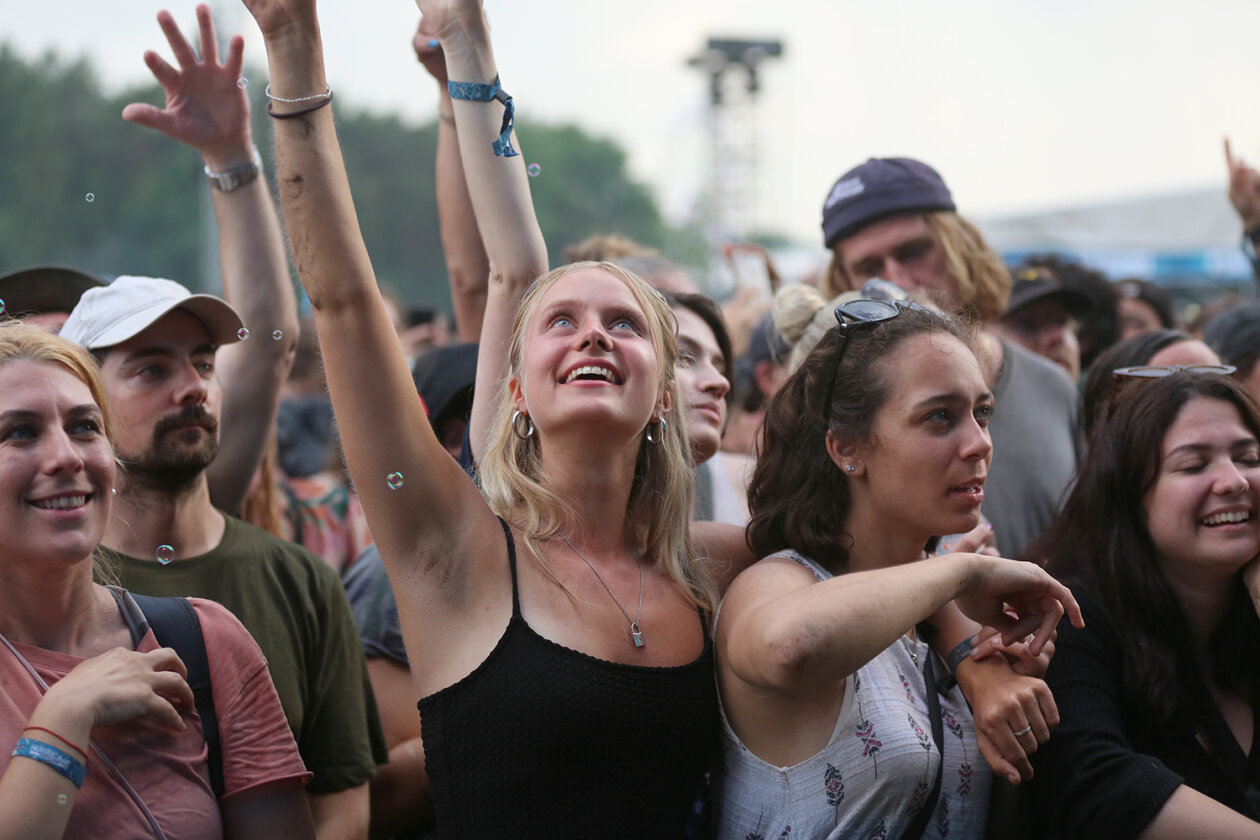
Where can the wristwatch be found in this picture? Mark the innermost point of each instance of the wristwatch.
(237, 176)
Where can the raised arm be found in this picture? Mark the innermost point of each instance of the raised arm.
(439, 541)
(467, 266)
(206, 109)
(499, 189)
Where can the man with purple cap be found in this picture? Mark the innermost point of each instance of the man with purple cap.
(157, 343)
(894, 218)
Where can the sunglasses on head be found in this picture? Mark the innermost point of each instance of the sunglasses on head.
(1159, 372)
(856, 314)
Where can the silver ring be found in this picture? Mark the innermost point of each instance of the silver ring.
(1024, 731)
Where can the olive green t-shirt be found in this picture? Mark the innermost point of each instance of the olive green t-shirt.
(295, 608)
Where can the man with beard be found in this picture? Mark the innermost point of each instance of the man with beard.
(156, 345)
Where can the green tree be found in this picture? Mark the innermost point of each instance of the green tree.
(65, 139)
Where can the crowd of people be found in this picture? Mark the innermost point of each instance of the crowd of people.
(927, 546)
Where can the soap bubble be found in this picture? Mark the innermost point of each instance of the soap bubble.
(277, 335)
(89, 198)
(534, 170)
(165, 554)
(242, 83)
(62, 799)
(1, 307)
(242, 333)
(394, 480)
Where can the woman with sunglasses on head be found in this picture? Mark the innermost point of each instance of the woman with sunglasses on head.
(833, 725)
(1160, 694)
(98, 734)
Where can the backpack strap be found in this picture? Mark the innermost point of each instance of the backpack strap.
(175, 625)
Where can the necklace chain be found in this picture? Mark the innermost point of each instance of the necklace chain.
(635, 632)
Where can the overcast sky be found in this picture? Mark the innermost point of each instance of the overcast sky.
(1021, 104)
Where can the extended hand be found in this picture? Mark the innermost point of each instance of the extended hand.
(122, 685)
(1244, 189)
(205, 107)
(1016, 599)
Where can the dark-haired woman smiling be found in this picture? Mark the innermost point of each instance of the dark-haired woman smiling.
(1159, 695)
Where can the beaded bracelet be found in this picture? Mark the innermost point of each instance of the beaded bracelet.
(310, 108)
(476, 92)
(59, 760)
(327, 93)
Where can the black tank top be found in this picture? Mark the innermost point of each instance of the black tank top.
(542, 741)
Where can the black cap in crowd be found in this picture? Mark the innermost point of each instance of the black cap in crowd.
(1029, 285)
(45, 288)
(444, 378)
(878, 188)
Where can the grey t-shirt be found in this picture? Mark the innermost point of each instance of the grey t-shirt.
(1034, 432)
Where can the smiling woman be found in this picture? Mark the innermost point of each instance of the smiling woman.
(1160, 694)
(80, 671)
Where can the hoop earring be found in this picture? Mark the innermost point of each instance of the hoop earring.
(648, 432)
(527, 431)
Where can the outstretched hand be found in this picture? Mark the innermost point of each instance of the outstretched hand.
(205, 107)
(1017, 598)
(1244, 189)
(123, 685)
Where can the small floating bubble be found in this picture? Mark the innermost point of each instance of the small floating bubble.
(534, 170)
(1, 307)
(89, 198)
(62, 799)
(277, 335)
(394, 480)
(242, 83)
(165, 554)
(242, 333)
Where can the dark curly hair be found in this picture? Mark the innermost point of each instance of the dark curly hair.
(1100, 540)
(798, 498)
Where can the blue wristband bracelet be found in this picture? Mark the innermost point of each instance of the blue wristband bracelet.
(476, 92)
(64, 763)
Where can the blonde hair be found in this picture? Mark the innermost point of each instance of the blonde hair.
(24, 342)
(803, 316)
(983, 280)
(658, 514)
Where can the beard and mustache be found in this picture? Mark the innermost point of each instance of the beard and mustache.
(177, 455)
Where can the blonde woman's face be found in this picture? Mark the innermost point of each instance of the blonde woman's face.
(588, 360)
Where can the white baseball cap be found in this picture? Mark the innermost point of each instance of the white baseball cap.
(112, 314)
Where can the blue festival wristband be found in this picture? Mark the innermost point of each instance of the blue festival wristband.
(64, 763)
(476, 92)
